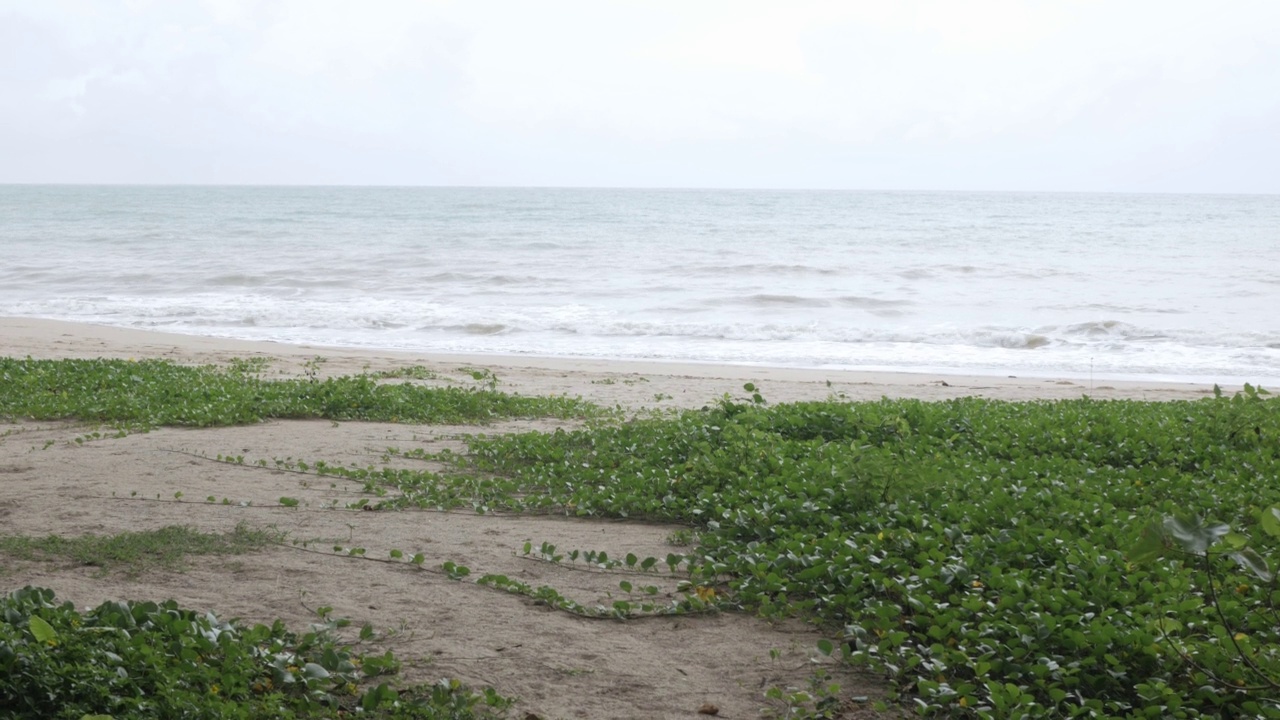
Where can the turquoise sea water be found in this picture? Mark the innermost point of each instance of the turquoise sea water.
(1145, 286)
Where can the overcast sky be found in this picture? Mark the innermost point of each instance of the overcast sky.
(1166, 96)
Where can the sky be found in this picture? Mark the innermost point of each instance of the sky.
(1073, 95)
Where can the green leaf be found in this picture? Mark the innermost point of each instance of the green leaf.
(1270, 521)
(825, 647)
(813, 573)
(42, 630)
(1250, 560)
(1150, 544)
(1235, 540)
(1192, 534)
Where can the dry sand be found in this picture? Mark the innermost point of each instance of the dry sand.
(557, 665)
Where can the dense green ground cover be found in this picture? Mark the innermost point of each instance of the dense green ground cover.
(151, 393)
(973, 550)
(976, 552)
(148, 660)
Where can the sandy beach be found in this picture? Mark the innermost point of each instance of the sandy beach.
(53, 481)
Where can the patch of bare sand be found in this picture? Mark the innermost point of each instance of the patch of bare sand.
(558, 665)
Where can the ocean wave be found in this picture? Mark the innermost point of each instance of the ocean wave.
(1000, 272)
(768, 300)
(871, 303)
(1012, 339)
(576, 330)
(739, 269)
(810, 319)
(490, 279)
(1112, 307)
(916, 274)
(271, 280)
(1110, 329)
(479, 328)
(374, 323)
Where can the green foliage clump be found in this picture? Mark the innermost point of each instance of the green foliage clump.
(152, 393)
(149, 660)
(972, 550)
(164, 548)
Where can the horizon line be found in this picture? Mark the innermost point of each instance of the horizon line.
(671, 188)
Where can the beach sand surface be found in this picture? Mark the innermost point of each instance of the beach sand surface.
(54, 481)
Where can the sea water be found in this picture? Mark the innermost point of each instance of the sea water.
(1117, 286)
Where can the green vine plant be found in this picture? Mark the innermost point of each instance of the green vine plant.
(1238, 649)
(700, 599)
(696, 598)
(821, 700)
(401, 488)
(600, 560)
(146, 659)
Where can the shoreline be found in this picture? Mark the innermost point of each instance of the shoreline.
(632, 383)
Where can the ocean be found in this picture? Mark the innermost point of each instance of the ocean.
(1154, 287)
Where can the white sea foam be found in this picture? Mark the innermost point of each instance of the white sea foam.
(1129, 286)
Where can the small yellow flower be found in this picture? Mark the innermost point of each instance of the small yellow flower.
(977, 583)
(704, 593)
(964, 702)
(214, 689)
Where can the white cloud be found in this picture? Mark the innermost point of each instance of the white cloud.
(980, 94)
